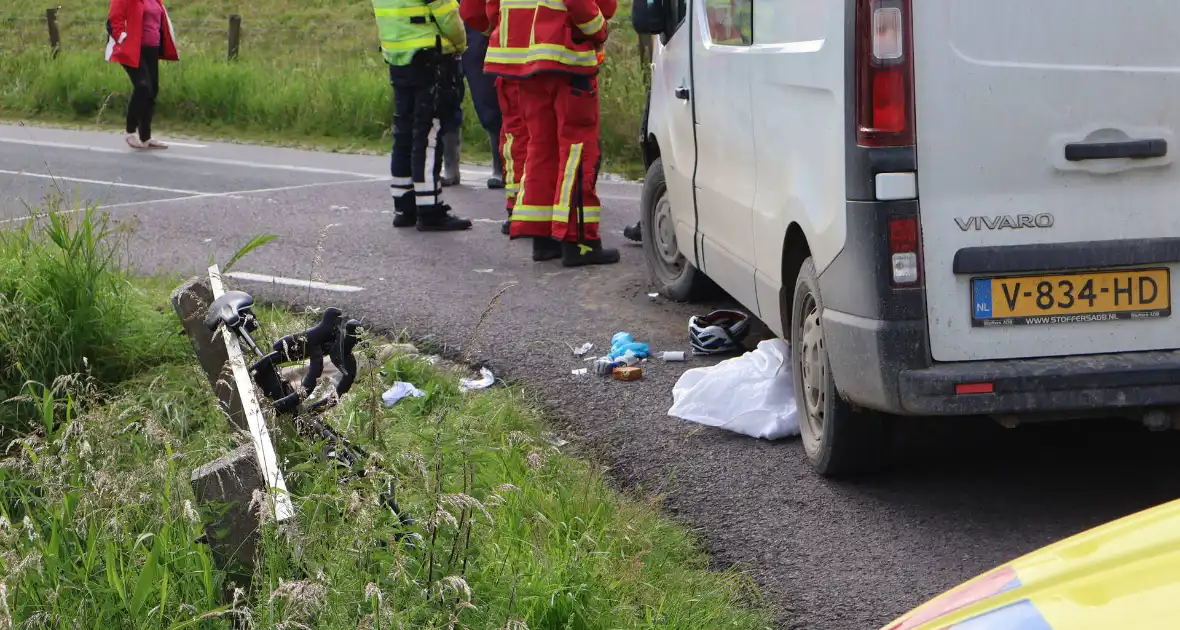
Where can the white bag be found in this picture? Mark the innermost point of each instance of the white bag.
(752, 394)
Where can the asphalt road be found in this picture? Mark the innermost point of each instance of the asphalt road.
(961, 496)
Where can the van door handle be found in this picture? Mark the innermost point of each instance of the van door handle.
(1134, 149)
(682, 93)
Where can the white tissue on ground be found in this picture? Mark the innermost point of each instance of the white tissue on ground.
(486, 379)
(753, 394)
(398, 391)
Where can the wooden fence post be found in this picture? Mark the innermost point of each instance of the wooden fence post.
(54, 34)
(235, 35)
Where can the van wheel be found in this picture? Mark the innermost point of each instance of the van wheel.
(838, 439)
(676, 278)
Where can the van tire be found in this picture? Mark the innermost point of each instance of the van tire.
(838, 439)
(673, 274)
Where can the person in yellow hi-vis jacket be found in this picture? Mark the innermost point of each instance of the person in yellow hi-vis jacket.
(419, 40)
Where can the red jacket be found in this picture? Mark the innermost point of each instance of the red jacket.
(532, 36)
(126, 18)
(474, 13)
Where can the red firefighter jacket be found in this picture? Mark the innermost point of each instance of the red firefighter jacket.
(531, 36)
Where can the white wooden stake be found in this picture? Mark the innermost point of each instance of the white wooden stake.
(263, 447)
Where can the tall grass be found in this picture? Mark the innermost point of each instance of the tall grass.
(68, 306)
(97, 525)
(306, 70)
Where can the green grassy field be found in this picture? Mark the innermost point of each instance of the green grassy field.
(98, 525)
(308, 70)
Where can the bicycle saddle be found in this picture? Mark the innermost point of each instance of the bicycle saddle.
(233, 309)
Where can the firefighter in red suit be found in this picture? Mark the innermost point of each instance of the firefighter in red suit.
(510, 33)
(558, 203)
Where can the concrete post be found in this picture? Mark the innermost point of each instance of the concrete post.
(191, 302)
(224, 490)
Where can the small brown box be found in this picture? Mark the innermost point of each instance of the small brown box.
(628, 373)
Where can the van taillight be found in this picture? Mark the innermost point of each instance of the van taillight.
(904, 249)
(884, 74)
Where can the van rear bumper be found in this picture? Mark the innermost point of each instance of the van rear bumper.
(885, 366)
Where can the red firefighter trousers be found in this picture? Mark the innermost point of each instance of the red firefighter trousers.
(558, 196)
(514, 137)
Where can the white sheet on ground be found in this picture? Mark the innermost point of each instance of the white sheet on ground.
(398, 391)
(752, 394)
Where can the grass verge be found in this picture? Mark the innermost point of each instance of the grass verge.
(306, 70)
(97, 525)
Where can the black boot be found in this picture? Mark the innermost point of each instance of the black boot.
(545, 248)
(438, 218)
(634, 232)
(587, 253)
(451, 142)
(404, 212)
(506, 227)
(496, 181)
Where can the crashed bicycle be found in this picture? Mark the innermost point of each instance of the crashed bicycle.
(334, 337)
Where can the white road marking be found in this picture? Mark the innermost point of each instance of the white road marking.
(233, 194)
(606, 178)
(62, 145)
(306, 284)
(100, 182)
(189, 158)
(186, 145)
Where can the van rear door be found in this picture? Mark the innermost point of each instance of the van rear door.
(1048, 185)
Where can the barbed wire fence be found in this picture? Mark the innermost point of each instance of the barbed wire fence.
(338, 37)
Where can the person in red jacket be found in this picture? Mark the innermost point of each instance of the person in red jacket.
(507, 24)
(140, 36)
(558, 201)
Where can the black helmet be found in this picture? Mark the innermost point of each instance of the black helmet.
(718, 332)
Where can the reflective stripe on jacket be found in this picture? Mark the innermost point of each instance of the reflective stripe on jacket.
(548, 35)
(408, 26)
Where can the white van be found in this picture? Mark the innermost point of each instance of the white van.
(948, 207)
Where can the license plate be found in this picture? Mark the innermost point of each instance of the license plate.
(1071, 298)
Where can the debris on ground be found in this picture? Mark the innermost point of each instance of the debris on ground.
(584, 349)
(673, 355)
(752, 394)
(553, 439)
(653, 296)
(400, 390)
(580, 372)
(628, 373)
(621, 342)
(486, 379)
(604, 366)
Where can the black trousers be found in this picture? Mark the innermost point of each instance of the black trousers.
(145, 85)
(424, 93)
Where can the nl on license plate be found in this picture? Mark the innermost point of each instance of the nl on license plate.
(1069, 298)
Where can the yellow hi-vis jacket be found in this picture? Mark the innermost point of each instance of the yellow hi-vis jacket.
(407, 26)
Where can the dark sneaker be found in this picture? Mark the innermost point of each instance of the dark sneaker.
(634, 232)
(440, 219)
(496, 181)
(545, 249)
(506, 227)
(589, 253)
(450, 181)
